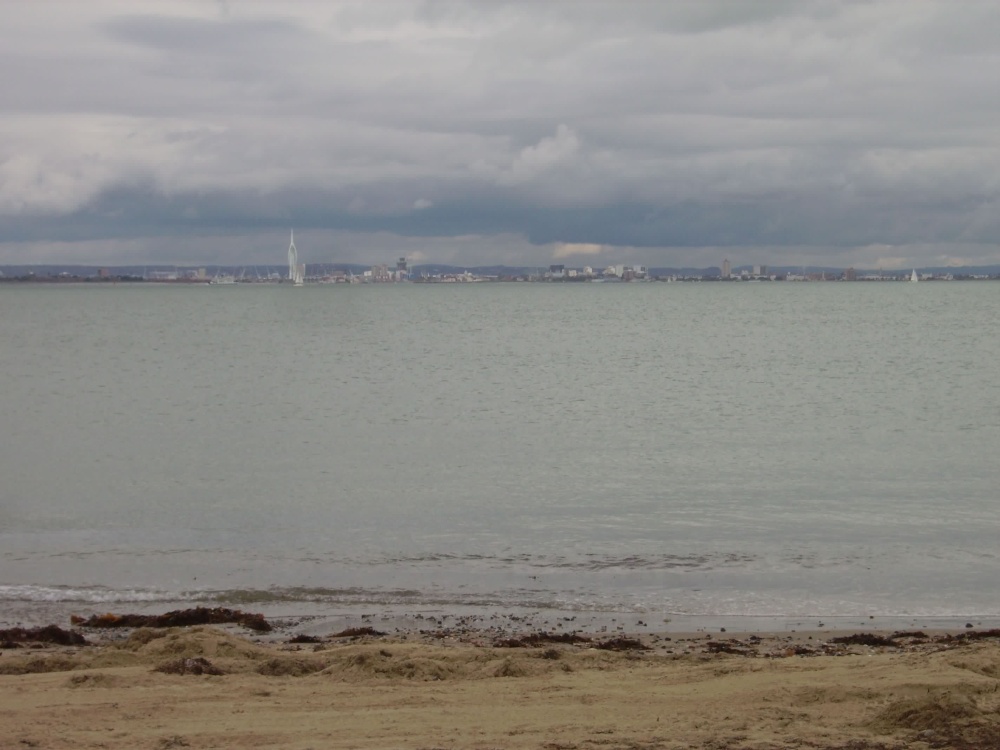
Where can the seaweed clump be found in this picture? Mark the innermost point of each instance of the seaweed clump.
(356, 632)
(178, 618)
(622, 644)
(864, 639)
(195, 665)
(305, 639)
(14, 637)
(535, 640)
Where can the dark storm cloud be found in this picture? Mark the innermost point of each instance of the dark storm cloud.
(849, 132)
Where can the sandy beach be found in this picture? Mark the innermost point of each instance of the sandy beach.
(227, 686)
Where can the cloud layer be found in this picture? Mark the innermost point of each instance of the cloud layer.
(663, 133)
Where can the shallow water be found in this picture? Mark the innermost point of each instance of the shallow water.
(762, 450)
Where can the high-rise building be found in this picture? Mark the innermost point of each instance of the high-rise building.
(727, 269)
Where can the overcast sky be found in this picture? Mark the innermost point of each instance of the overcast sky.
(588, 133)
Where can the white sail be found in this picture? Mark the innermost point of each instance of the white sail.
(913, 276)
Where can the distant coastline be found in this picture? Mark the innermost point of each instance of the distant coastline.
(429, 274)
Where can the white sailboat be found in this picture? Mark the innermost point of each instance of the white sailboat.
(913, 276)
(296, 272)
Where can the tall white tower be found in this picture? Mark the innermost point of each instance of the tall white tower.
(293, 259)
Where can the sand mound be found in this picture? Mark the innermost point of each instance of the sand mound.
(984, 662)
(289, 667)
(942, 713)
(38, 664)
(146, 647)
(140, 637)
(426, 663)
(360, 664)
(187, 643)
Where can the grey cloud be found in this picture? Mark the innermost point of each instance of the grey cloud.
(665, 126)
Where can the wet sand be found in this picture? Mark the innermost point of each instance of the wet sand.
(463, 687)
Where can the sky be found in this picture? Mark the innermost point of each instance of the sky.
(671, 134)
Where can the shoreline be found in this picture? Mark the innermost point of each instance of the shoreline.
(315, 619)
(478, 624)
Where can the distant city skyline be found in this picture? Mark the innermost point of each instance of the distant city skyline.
(671, 134)
(401, 271)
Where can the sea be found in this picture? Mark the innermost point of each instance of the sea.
(663, 455)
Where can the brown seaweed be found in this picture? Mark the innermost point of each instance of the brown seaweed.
(355, 632)
(196, 665)
(14, 637)
(864, 639)
(535, 640)
(177, 618)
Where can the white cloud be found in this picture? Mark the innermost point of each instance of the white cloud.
(569, 249)
(549, 153)
(53, 164)
(422, 203)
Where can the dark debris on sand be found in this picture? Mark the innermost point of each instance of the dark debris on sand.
(973, 635)
(865, 639)
(177, 618)
(305, 639)
(622, 644)
(357, 632)
(17, 637)
(536, 640)
(841, 645)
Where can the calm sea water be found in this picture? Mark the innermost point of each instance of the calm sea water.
(781, 450)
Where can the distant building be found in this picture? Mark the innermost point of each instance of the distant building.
(727, 269)
(850, 275)
(157, 275)
(557, 271)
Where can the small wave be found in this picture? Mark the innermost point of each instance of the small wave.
(314, 594)
(247, 597)
(506, 599)
(89, 595)
(657, 562)
(589, 562)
